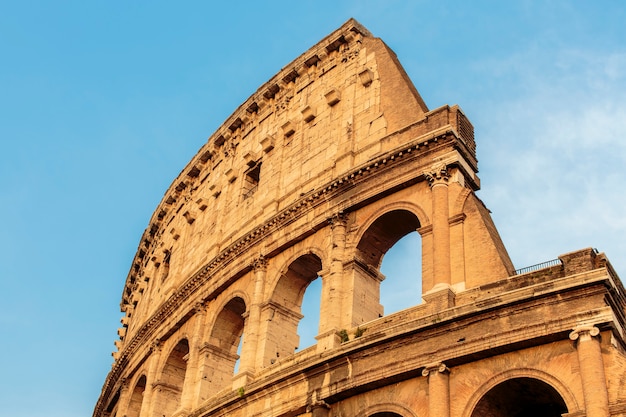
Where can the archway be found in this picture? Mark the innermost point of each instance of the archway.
(308, 326)
(284, 311)
(173, 378)
(391, 246)
(402, 266)
(521, 397)
(136, 398)
(225, 341)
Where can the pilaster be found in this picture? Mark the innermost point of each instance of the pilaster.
(155, 356)
(587, 339)
(189, 398)
(438, 389)
(438, 179)
(331, 304)
(251, 359)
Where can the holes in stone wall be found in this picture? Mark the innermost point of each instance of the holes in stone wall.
(251, 180)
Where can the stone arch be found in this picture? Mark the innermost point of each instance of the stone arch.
(224, 339)
(362, 273)
(282, 312)
(387, 410)
(136, 397)
(531, 388)
(172, 378)
(293, 257)
(384, 229)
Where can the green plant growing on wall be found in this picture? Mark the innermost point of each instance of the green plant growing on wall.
(343, 335)
(359, 332)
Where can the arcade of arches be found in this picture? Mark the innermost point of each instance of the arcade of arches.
(313, 179)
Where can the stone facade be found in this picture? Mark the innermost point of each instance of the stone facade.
(316, 176)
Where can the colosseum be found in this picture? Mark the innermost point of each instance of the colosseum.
(315, 177)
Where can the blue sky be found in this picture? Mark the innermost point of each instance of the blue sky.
(103, 103)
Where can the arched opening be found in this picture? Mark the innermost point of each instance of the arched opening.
(225, 342)
(284, 312)
(521, 397)
(391, 246)
(136, 398)
(309, 324)
(173, 378)
(402, 266)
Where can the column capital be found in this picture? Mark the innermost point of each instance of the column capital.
(199, 308)
(585, 332)
(124, 384)
(435, 367)
(260, 263)
(156, 345)
(339, 219)
(437, 175)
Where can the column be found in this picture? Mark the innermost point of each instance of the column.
(591, 365)
(124, 399)
(189, 396)
(438, 180)
(438, 389)
(332, 316)
(251, 358)
(147, 405)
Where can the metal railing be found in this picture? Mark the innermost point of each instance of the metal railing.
(537, 267)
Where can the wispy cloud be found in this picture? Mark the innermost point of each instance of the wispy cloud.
(554, 153)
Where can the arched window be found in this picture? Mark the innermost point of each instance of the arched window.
(173, 377)
(136, 398)
(402, 266)
(393, 238)
(284, 311)
(521, 397)
(309, 324)
(225, 341)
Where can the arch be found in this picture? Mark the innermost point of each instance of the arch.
(297, 254)
(386, 414)
(383, 231)
(379, 234)
(136, 398)
(224, 340)
(172, 378)
(283, 312)
(532, 387)
(387, 410)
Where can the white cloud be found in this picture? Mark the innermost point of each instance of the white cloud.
(554, 155)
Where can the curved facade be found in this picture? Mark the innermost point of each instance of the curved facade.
(316, 176)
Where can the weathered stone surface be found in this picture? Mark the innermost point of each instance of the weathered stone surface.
(318, 174)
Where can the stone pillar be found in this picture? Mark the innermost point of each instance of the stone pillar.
(147, 409)
(591, 370)
(438, 389)
(438, 180)
(124, 399)
(332, 316)
(251, 358)
(189, 396)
